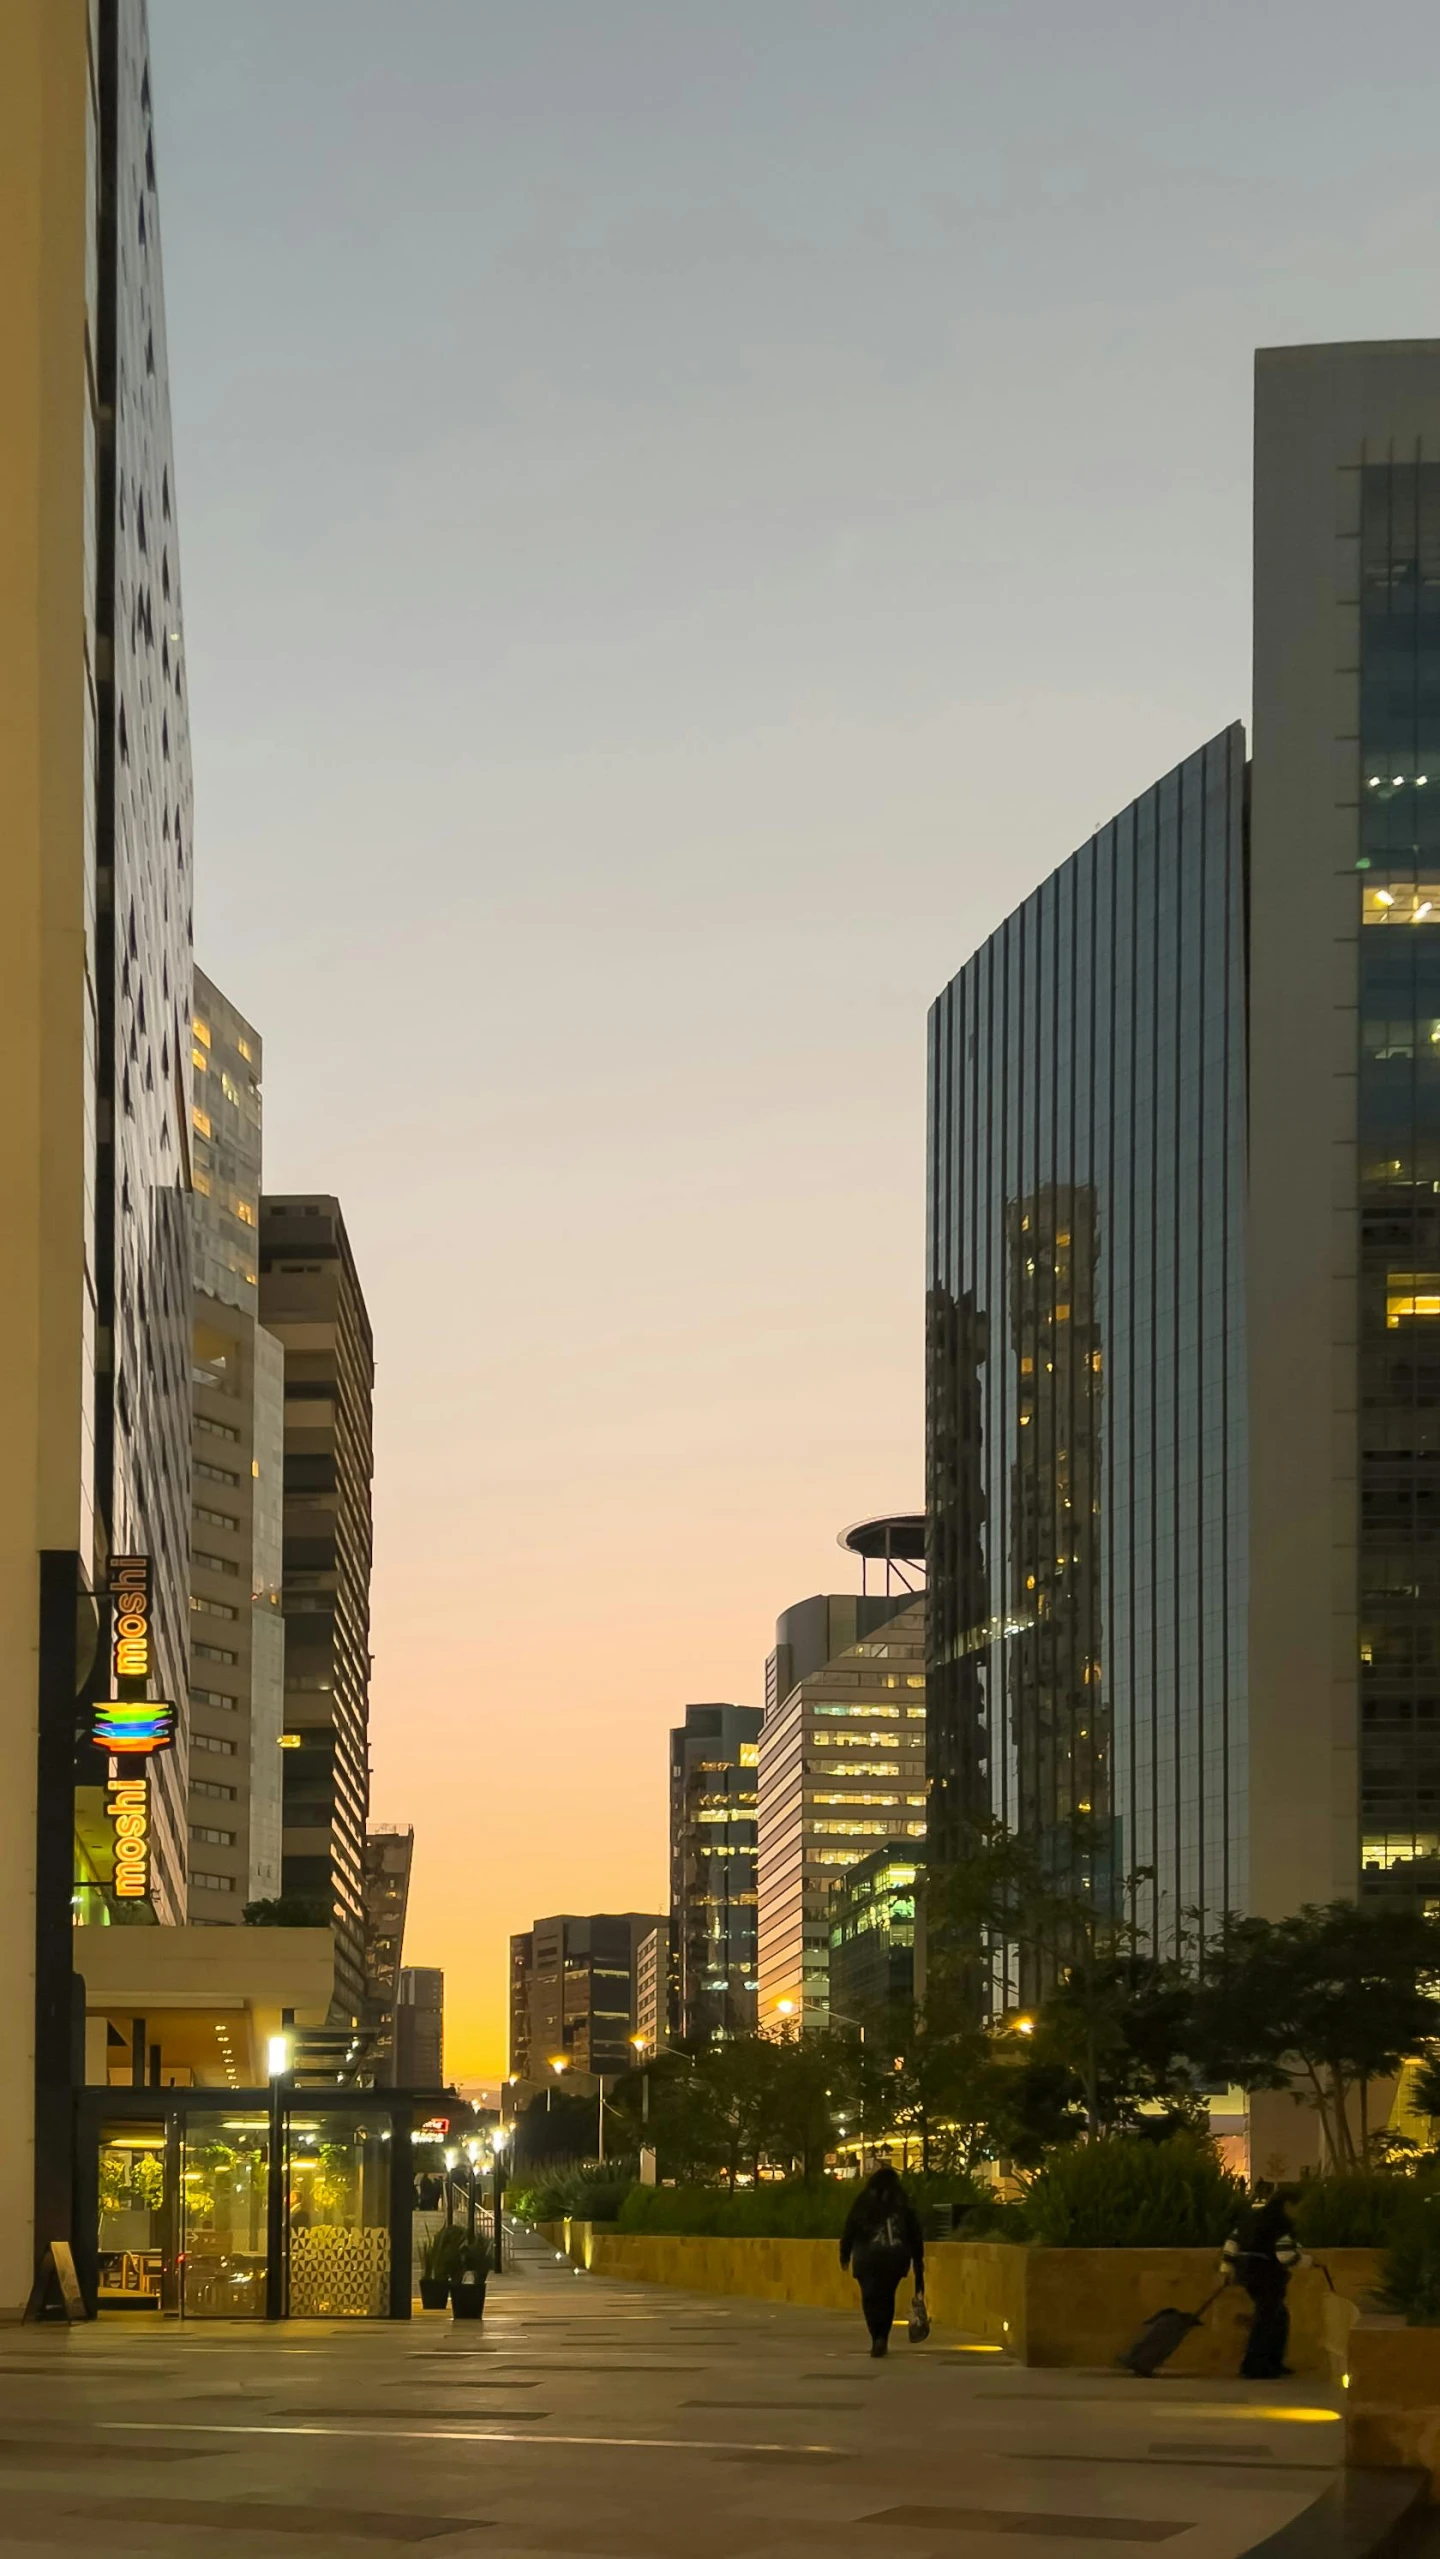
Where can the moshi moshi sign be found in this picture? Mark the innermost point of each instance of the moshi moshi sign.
(130, 1636)
(127, 1802)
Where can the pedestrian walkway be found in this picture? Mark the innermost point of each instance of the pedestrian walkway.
(607, 2421)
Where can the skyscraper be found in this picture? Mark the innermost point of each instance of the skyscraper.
(310, 1297)
(389, 1857)
(714, 1799)
(1185, 1248)
(237, 1385)
(95, 784)
(420, 2027)
(842, 1772)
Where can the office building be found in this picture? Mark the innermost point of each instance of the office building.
(714, 1805)
(389, 1858)
(310, 1298)
(872, 1934)
(237, 1392)
(574, 1993)
(95, 1152)
(1185, 1249)
(842, 1772)
(420, 2027)
(652, 1989)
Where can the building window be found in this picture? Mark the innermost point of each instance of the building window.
(212, 1883)
(211, 1838)
(212, 1742)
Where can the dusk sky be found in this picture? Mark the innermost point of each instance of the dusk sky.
(687, 512)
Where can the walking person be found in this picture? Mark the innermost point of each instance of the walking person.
(881, 2241)
(1262, 2253)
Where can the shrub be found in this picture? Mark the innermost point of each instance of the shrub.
(1117, 2193)
(1362, 2210)
(1410, 2277)
(440, 2253)
(788, 2210)
(588, 2193)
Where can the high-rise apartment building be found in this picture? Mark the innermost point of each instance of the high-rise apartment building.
(574, 1992)
(420, 2027)
(389, 1857)
(842, 1772)
(714, 1924)
(1183, 1404)
(94, 1032)
(652, 1989)
(310, 1298)
(237, 1380)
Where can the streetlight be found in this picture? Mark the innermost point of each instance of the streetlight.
(472, 2153)
(640, 2045)
(450, 2157)
(498, 2139)
(558, 2063)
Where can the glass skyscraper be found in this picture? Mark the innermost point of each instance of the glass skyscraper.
(1184, 1260)
(1086, 1378)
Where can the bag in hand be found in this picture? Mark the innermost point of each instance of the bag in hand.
(919, 2321)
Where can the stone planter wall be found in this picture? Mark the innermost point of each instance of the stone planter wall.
(1044, 2306)
(1390, 2377)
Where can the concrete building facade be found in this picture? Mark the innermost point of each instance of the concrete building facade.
(714, 1897)
(389, 1859)
(95, 785)
(842, 1772)
(311, 1299)
(237, 1384)
(420, 2027)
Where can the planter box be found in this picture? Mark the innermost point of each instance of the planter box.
(1391, 2379)
(1044, 2306)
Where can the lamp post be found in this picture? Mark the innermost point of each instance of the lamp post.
(472, 2153)
(558, 2064)
(450, 2157)
(278, 2061)
(498, 2139)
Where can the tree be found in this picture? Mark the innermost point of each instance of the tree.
(288, 1910)
(1334, 1998)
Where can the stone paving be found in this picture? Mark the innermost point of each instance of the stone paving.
(604, 2421)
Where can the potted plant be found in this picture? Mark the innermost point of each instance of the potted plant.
(437, 2266)
(467, 2282)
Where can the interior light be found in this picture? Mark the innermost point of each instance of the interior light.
(1422, 909)
(1397, 779)
(1374, 781)
(1383, 898)
(1420, 781)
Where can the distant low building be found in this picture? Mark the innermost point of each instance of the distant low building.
(389, 1856)
(574, 1992)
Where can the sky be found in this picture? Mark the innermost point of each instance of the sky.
(687, 512)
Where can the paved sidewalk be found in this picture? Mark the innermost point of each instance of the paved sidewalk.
(605, 2421)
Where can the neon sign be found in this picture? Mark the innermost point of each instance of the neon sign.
(136, 1724)
(127, 1803)
(131, 1723)
(130, 1591)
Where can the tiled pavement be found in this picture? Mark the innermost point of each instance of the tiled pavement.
(604, 2421)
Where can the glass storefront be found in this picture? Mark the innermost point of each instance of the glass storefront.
(174, 2204)
(224, 2186)
(133, 2218)
(338, 2218)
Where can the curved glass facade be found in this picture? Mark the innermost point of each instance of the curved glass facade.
(1086, 1424)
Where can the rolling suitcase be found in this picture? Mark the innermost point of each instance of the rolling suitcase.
(1162, 2334)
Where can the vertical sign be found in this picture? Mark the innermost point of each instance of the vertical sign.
(127, 1803)
(131, 1723)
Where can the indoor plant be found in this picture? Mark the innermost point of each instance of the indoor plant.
(467, 2281)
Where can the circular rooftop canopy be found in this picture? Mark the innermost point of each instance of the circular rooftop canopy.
(899, 1537)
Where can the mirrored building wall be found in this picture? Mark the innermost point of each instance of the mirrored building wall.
(1086, 1386)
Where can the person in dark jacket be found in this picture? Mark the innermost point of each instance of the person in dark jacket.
(881, 2240)
(1262, 2254)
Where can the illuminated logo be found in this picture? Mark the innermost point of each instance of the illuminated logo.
(139, 1724)
(130, 1592)
(127, 1803)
